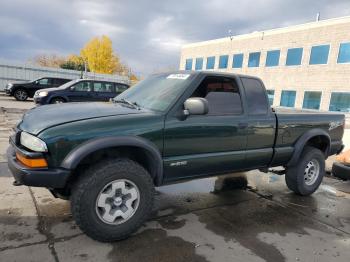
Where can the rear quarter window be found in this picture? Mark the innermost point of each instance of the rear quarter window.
(256, 96)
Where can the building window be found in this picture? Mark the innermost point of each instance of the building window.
(188, 64)
(223, 61)
(312, 100)
(237, 61)
(210, 62)
(319, 55)
(294, 56)
(340, 101)
(254, 59)
(270, 95)
(288, 98)
(199, 63)
(344, 53)
(272, 58)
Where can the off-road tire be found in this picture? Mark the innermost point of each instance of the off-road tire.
(341, 170)
(57, 100)
(86, 189)
(294, 177)
(20, 94)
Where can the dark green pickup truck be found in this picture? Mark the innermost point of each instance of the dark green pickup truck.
(108, 157)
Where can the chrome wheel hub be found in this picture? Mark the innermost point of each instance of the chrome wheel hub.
(117, 202)
(311, 172)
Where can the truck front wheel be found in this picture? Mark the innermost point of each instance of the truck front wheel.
(112, 199)
(306, 176)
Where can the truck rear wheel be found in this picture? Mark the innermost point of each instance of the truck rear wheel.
(306, 176)
(112, 199)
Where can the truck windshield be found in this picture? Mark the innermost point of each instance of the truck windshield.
(156, 92)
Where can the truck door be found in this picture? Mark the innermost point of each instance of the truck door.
(261, 124)
(202, 145)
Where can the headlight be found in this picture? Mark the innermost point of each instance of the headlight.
(33, 142)
(9, 86)
(42, 93)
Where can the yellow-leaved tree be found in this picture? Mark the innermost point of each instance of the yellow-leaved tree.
(96, 56)
(99, 55)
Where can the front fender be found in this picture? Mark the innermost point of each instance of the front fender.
(72, 160)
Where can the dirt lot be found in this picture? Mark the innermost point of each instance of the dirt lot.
(243, 217)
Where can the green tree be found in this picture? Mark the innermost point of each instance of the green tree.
(74, 62)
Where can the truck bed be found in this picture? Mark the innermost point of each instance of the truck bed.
(293, 123)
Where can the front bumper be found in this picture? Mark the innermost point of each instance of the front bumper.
(40, 100)
(336, 148)
(38, 177)
(8, 92)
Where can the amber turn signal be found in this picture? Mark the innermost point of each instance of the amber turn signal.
(31, 162)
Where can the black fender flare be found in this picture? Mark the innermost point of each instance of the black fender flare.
(301, 142)
(74, 157)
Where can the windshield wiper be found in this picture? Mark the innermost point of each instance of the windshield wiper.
(126, 102)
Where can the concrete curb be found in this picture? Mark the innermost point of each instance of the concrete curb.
(12, 110)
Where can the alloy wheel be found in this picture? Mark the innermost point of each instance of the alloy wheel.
(117, 202)
(311, 172)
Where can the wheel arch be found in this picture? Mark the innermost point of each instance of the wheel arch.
(15, 88)
(58, 96)
(143, 151)
(315, 137)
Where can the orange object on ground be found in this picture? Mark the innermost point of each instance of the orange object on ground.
(31, 162)
(344, 157)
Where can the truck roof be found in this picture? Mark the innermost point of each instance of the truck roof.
(213, 73)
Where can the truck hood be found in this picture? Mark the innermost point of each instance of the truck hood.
(42, 117)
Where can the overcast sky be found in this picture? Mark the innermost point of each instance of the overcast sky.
(147, 35)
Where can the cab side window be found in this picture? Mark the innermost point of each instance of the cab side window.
(83, 86)
(58, 82)
(44, 81)
(103, 87)
(222, 95)
(256, 96)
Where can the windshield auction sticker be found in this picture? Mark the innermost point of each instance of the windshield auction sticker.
(178, 76)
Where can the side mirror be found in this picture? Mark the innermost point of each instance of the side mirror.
(196, 106)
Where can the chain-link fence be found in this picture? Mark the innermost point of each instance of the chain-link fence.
(11, 72)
